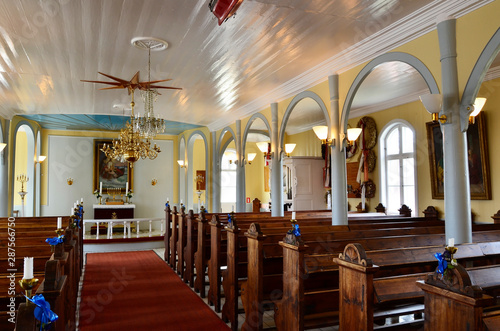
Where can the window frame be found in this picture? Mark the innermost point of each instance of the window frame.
(397, 124)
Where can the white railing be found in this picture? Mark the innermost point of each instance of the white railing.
(126, 222)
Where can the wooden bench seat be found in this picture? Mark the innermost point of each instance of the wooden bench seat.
(382, 291)
(466, 301)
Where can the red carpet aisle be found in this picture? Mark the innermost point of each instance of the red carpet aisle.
(138, 291)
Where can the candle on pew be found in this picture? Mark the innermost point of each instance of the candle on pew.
(81, 201)
(28, 268)
(168, 200)
(126, 188)
(181, 201)
(59, 222)
(293, 215)
(232, 208)
(451, 242)
(72, 211)
(100, 188)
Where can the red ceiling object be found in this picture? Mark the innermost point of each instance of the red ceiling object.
(223, 9)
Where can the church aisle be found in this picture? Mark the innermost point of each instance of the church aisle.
(138, 291)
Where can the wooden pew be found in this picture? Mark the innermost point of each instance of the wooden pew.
(461, 300)
(253, 291)
(67, 257)
(237, 263)
(384, 282)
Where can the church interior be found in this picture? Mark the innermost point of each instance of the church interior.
(272, 164)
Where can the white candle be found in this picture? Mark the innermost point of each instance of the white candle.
(28, 268)
(81, 201)
(74, 206)
(293, 215)
(72, 211)
(451, 242)
(100, 188)
(363, 198)
(232, 208)
(59, 222)
(181, 201)
(168, 200)
(126, 188)
(202, 203)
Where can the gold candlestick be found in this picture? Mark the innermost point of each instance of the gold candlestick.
(27, 285)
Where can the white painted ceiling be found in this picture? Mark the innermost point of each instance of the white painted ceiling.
(271, 50)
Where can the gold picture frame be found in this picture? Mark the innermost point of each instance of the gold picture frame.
(477, 147)
(112, 173)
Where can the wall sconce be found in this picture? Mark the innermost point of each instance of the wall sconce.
(2, 146)
(476, 109)
(232, 157)
(433, 104)
(70, 181)
(353, 134)
(289, 149)
(154, 181)
(264, 148)
(41, 158)
(181, 163)
(321, 132)
(251, 157)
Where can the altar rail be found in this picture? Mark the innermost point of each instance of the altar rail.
(126, 222)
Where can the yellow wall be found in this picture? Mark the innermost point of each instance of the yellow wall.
(307, 142)
(198, 164)
(20, 164)
(254, 176)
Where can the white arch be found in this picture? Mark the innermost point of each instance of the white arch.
(249, 125)
(388, 57)
(476, 78)
(291, 106)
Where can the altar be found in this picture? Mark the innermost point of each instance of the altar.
(114, 211)
(109, 212)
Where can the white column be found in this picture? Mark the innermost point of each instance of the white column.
(215, 175)
(338, 166)
(456, 172)
(240, 171)
(276, 166)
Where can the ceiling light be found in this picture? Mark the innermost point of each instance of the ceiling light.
(263, 146)
(2, 146)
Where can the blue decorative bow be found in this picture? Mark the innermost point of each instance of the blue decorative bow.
(42, 311)
(55, 240)
(167, 205)
(296, 230)
(229, 219)
(443, 264)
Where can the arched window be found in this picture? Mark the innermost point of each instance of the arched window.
(398, 167)
(228, 180)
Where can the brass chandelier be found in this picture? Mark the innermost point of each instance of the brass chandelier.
(130, 146)
(135, 139)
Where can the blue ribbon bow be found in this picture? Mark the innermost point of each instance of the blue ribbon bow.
(443, 264)
(55, 240)
(42, 311)
(229, 219)
(167, 205)
(296, 230)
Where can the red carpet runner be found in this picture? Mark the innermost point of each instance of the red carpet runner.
(138, 291)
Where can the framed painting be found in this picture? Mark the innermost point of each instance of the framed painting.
(110, 172)
(477, 150)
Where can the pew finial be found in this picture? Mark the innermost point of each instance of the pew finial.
(355, 253)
